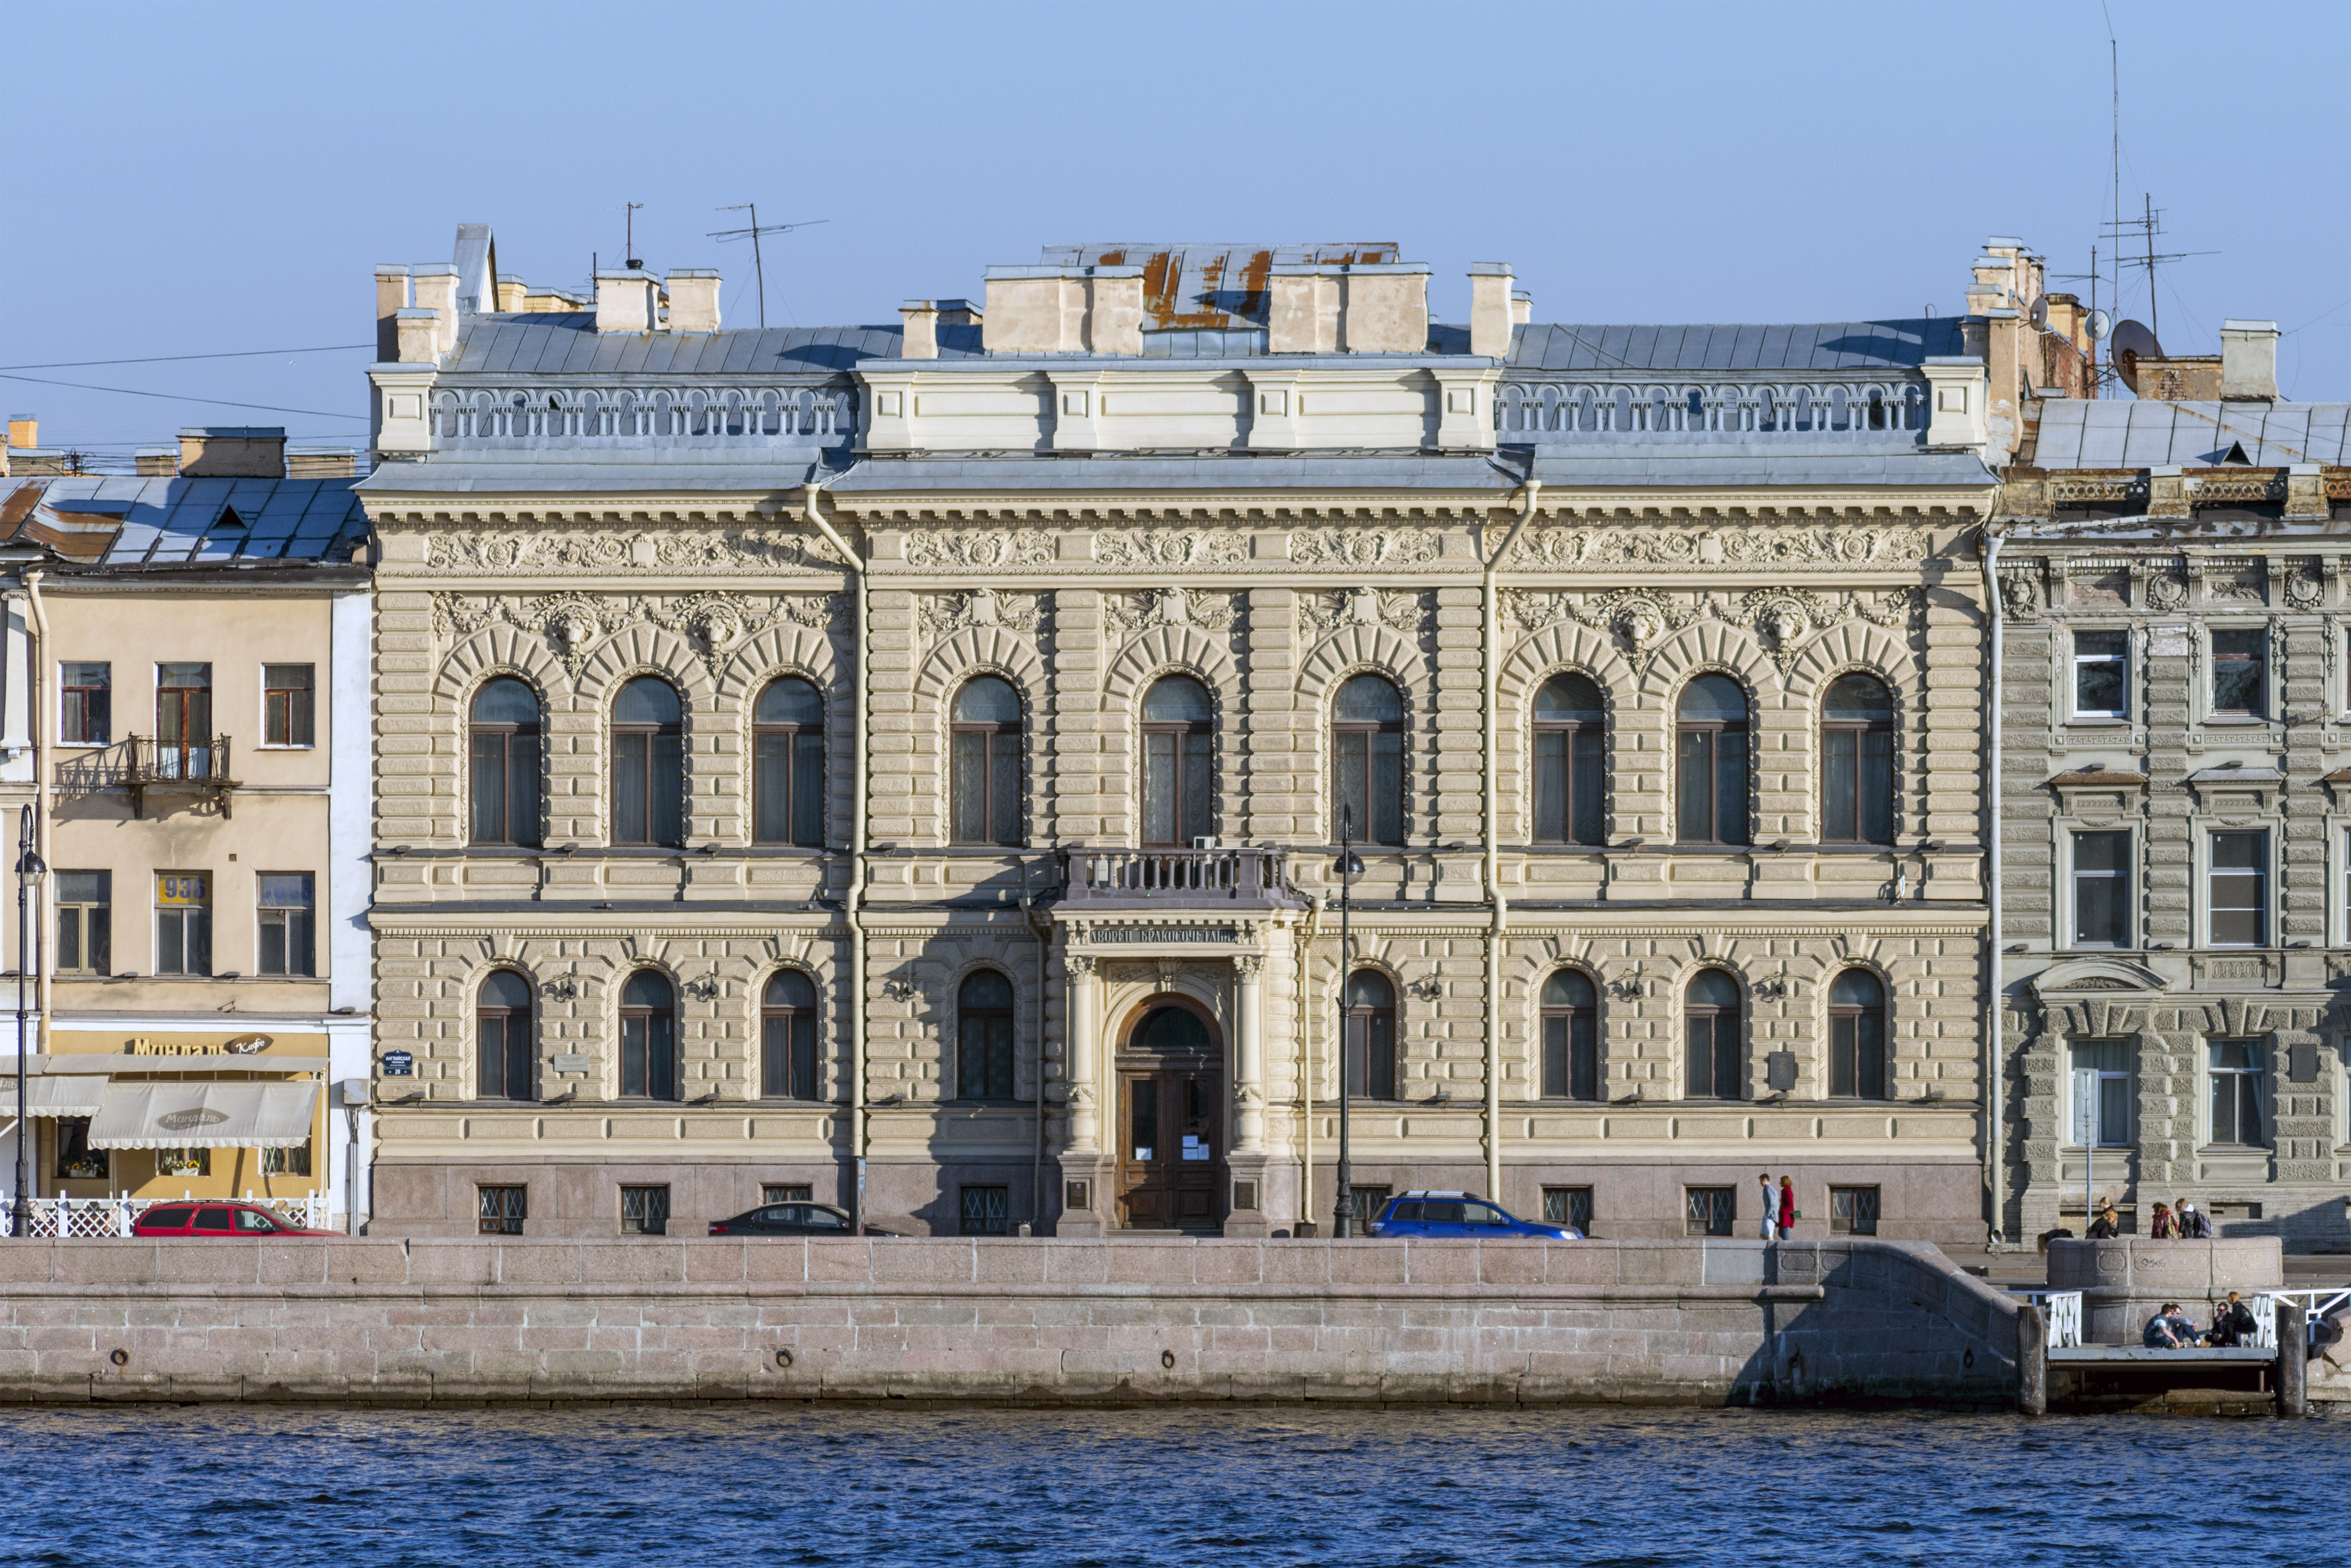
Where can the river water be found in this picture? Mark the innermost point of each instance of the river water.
(1202, 1489)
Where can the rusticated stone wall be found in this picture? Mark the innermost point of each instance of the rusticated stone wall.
(1665, 1323)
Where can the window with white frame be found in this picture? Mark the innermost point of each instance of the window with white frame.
(2101, 1091)
(2102, 889)
(2102, 674)
(2238, 883)
(2240, 672)
(2236, 1075)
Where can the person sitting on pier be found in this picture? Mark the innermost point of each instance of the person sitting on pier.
(2168, 1330)
(2233, 1322)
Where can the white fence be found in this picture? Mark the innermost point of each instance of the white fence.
(2063, 1310)
(72, 1217)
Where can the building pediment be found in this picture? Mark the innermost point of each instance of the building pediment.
(2079, 977)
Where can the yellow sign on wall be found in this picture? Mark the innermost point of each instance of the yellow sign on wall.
(184, 889)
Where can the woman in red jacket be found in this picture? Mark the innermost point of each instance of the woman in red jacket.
(1787, 1207)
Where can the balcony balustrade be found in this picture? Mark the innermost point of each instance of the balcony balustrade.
(1181, 878)
(143, 765)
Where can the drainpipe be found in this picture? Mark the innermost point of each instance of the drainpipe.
(1040, 925)
(1528, 494)
(36, 730)
(855, 895)
(1308, 930)
(1995, 1078)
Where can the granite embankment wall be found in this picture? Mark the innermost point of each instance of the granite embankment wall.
(1046, 1322)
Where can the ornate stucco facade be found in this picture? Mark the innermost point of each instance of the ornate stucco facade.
(1086, 490)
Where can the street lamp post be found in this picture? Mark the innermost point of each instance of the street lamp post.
(29, 866)
(1349, 866)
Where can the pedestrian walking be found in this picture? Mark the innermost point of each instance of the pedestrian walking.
(1770, 1208)
(2108, 1225)
(2194, 1223)
(1787, 1207)
(2166, 1227)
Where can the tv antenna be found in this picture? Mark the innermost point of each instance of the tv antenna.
(753, 233)
(2144, 229)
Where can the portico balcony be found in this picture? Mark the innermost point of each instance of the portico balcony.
(1181, 878)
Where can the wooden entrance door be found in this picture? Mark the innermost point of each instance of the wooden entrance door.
(1170, 1153)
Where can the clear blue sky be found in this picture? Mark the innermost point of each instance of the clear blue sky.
(191, 178)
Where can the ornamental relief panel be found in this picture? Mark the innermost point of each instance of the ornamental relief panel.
(573, 623)
(1363, 547)
(1170, 547)
(523, 554)
(1129, 613)
(1322, 613)
(945, 614)
(1589, 548)
(978, 549)
(1783, 619)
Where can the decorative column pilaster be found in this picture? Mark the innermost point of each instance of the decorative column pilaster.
(1248, 1087)
(1085, 1022)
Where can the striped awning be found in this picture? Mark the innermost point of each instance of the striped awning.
(204, 1115)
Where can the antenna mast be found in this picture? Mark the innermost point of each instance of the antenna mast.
(753, 233)
(635, 264)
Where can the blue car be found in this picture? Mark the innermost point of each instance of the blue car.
(1457, 1214)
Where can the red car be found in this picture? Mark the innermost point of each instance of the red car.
(217, 1220)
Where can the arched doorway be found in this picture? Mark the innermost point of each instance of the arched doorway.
(1171, 1118)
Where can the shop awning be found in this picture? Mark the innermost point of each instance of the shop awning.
(74, 1096)
(204, 1115)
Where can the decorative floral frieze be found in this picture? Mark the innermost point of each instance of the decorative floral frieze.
(1320, 614)
(573, 623)
(1782, 619)
(1363, 547)
(1128, 613)
(506, 554)
(978, 549)
(1170, 547)
(1611, 545)
(945, 614)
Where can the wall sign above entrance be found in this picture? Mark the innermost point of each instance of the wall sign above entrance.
(1163, 934)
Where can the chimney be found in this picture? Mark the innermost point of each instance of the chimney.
(321, 462)
(624, 302)
(692, 301)
(1522, 307)
(1490, 308)
(24, 429)
(922, 339)
(155, 462)
(233, 452)
(1301, 310)
(436, 290)
(417, 336)
(958, 313)
(512, 294)
(390, 300)
(2249, 362)
(476, 260)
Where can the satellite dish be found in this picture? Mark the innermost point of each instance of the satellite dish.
(2132, 343)
(2041, 313)
(2101, 325)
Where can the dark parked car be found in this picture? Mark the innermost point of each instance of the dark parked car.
(1456, 1214)
(217, 1220)
(792, 1219)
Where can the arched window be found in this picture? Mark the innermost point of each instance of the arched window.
(648, 765)
(502, 1036)
(787, 1038)
(1857, 1036)
(1857, 763)
(1569, 720)
(1711, 1004)
(1571, 1020)
(1371, 1035)
(1367, 754)
(984, 764)
(788, 764)
(648, 1038)
(1177, 782)
(984, 1038)
(1710, 763)
(503, 748)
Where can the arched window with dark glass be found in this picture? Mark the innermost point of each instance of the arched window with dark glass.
(1177, 777)
(1857, 763)
(1371, 1036)
(787, 1037)
(788, 764)
(984, 1038)
(1857, 1036)
(648, 765)
(1710, 763)
(502, 748)
(1710, 1007)
(1569, 721)
(502, 1036)
(1571, 1037)
(648, 1038)
(1367, 754)
(984, 763)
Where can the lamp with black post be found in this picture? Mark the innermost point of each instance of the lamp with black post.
(1349, 865)
(29, 866)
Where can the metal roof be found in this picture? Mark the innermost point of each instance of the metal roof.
(644, 464)
(1755, 464)
(134, 523)
(567, 343)
(2085, 433)
(1696, 348)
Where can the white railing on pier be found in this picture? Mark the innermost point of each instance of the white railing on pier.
(2062, 1311)
(2315, 1305)
(88, 1217)
(1556, 410)
(627, 414)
